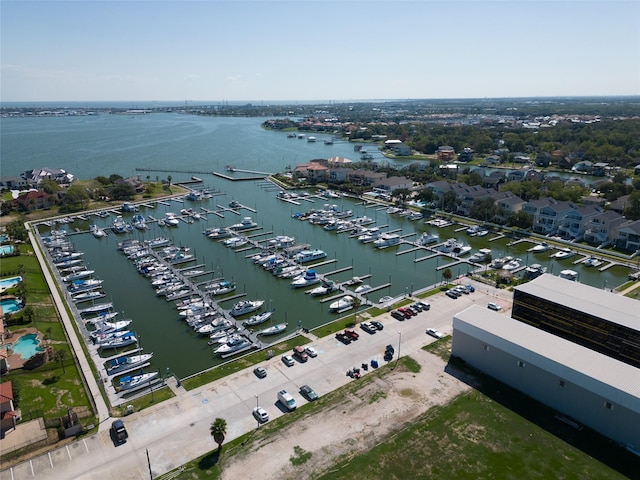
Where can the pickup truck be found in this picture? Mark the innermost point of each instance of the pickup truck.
(343, 338)
(352, 334)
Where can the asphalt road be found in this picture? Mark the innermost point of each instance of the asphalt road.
(177, 430)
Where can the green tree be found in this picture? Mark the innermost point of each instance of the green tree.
(49, 186)
(632, 212)
(218, 431)
(122, 191)
(447, 274)
(16, 230)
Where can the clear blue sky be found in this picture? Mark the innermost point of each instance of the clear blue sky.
(316, 50)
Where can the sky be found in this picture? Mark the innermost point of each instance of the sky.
(298, 50)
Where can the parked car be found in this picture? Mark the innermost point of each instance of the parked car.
(406, 312)
(308, 393)
(461, 289)
(471, 288)
(494, 306)
(261, 414)
(343, 338)
(398, 315)
(367, 327)
(424, 305)
(388, 353)
(288, 360)
(414, 311)
(300, 353)
(312, 352)
(260, 372)
(452, 294)
(352, 334)
(435, 333)
(377, 324)
(118, 431)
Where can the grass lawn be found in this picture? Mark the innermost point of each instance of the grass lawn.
(50, 389)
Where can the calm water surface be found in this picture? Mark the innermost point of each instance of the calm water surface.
(106, 144)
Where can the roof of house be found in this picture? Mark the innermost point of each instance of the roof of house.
(6, 391)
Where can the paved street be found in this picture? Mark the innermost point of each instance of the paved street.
(177, 430)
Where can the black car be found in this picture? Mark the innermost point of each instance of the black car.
(390, 349)
(377, 324)
(398, 315)
(424, 306)
(452, 294)
(118, 431)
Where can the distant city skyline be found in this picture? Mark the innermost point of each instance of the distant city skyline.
(280, 51)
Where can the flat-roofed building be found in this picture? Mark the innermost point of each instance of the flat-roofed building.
(594, 318)
(588, 387)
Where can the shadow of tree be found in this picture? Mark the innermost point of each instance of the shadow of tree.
(50, 380)
(210, 460)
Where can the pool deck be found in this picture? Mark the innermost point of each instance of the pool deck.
(15, 360)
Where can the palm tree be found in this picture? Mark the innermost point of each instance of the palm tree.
(218, 431)
(447, 274)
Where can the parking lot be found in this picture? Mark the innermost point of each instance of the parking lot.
(177, 430)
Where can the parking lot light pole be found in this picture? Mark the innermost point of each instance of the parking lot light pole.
(399, 343)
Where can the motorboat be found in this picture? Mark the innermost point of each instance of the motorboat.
(97, 308)
(427, 238)
(473, 230)
(102, 317)
(236, 241)
(592, 262)
(258, 319)
(541, 247)
(414, 216)
(245, 224)
(171, 219)
(119, 226)
(291, 272)
(218, 233)
(386, 240)
(344, 303)
(352, 281)
(273, 330)
(235, 344)
(86, 296)
(282, 241)
(309, 278)
(512, 264)
(324, 289)
(480, 256)
(131, 382)
(309, 255)
(139, 222)
(103, 338)
(224, 287)
(158, 242)
(126, 362)
(454, 247)
(120, 341)
(498, 263)
(569, 275)
(362, 288)
(105, 328)
(96, 231)
(78, 275)
(534, 271)
(246, 306)
(563, 253)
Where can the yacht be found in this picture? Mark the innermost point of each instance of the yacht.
(344, 303)
(224, 287)
(569, 275)
(126, 362)
(454, 247)
(563, 253)
(534, 271)
(282, 241)
(512, 264)
(245, 224)
(132, 381)
(541, 247)
(235, 242)
(217, 233)
(233, 345)
(592, 262)
(171, 220)
(327, 287)
(387, 240)
(481, 255)
(246, 306)
(498, 263)
(309, 255)
(96, 231)
(309, 278)
(258, 319)
(427, 238)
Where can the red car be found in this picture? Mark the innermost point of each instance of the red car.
(406, 312)
(353, 335)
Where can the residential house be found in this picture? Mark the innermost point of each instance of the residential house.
(14, 183)
(620, 204)
(337, 161)
(585, 166)
(363, 176)
(8, 416)
(36, 176)
(467, 197)
(550, 216)
(492, 160)
(602, 227)
(466, 155)
(312, 171)
(627, 236)
(575, 222)
(339, 175)
(392, 184)
(34, 200)
(401, 149)
(507, 206)
(445, 152)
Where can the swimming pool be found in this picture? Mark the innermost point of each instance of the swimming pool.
(9, 282)
(6, 250)
(10, 305)
(26, 346)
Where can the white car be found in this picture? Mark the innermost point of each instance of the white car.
(435, 333)
(288, 360)
(261, 414)
(494, 306)
(312, 352)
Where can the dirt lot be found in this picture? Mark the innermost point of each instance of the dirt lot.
(361, 420)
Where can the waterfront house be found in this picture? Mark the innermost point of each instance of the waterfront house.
(445, 152)
(627, 236)
(401, 149)
(601, 228)
(574, 223)
(550, 216)
(36, 176)
(392, 184)
(313, 171)
(34, 200)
